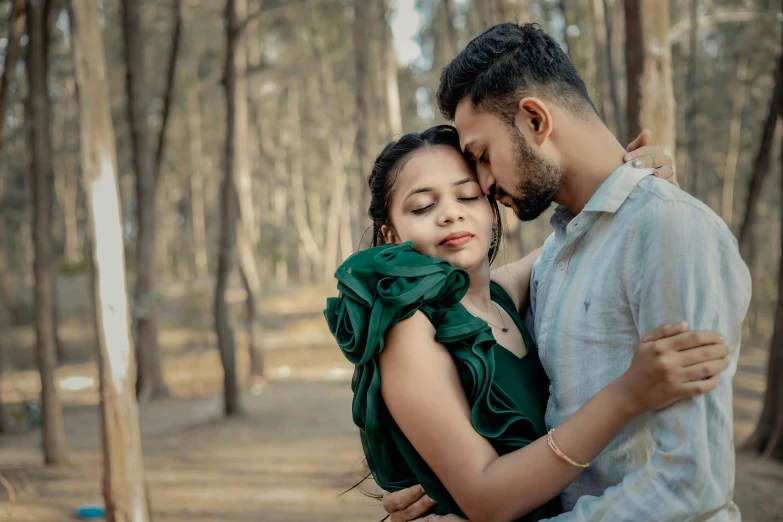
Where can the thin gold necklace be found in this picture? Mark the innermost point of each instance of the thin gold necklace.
(503, 328)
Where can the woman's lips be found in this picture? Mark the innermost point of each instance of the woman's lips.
(456, 240)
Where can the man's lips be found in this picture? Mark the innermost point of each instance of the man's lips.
(456, 239)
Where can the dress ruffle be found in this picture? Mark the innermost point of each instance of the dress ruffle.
(382, 286)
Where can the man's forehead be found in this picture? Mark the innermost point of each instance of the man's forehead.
(464, 119)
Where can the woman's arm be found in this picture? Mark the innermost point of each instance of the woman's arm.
(515, 279)
(421, 388)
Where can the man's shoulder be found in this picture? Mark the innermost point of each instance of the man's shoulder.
(657, 200)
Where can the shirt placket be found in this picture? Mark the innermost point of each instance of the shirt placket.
(573, 233)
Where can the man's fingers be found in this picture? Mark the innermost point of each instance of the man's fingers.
(666, 173)
(693, 388)
(704, 370)
(650, 157)
(645, 138)
(701, 354)
(663, 331)
(692, 339)
(441, 518)
(400, 500)
(413, 511)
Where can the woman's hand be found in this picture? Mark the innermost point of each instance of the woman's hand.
(672, 364)
(651, 156)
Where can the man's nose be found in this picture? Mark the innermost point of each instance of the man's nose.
(485, 179)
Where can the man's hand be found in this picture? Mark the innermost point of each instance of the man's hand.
(651, 156)
(408, 504)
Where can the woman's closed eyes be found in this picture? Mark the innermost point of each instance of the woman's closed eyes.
(422, 210)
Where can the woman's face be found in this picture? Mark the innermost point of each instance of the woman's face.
(438, 204)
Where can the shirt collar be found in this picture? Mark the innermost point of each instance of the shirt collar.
(615, 190)
(608, 198)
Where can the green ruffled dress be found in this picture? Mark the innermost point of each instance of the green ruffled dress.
(384, 285)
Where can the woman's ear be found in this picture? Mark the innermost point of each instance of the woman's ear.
(534, 119)
(388, 234)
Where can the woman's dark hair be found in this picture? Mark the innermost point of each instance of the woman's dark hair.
(391, 161)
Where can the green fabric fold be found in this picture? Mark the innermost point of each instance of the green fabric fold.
(380, 287)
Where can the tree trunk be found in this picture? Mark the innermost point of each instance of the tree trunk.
(761, 168)
(73, 247)
(38, 120)
(223, 326)
(561, 4)
(235, 162)
(248, 231)
(168, 95)
(333, 220)
(767, 439)
(337, 137)
(604, 54)
(307, 238)
(695, 183)
(649, 64)
(149, 381)
(67, 185)
(619, 120)
(198, 220)
(451, 42)
(361, 25)
(497, 12)
(16, 24)
(123, 481)
(732, 156)
(393, 112)
(282, 244)
(252, 284)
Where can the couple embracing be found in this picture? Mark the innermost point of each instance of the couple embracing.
(587, 381)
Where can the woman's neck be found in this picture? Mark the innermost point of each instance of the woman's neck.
(478, 297)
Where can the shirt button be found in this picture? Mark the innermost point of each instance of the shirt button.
(561, 265)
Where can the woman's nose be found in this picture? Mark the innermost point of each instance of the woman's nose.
(451, 212)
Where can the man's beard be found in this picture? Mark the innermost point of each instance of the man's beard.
(539, 180)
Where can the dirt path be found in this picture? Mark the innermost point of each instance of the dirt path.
(286, 460)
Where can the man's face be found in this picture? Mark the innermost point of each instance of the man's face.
(507, 167)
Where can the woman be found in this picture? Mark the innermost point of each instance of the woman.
(450, 394)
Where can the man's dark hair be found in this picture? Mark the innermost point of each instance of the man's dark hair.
(506, 63)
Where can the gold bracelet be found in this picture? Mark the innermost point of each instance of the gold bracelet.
(550, 440)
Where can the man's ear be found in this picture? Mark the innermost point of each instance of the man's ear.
(534, 119)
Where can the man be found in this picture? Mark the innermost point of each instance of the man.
(628, 253)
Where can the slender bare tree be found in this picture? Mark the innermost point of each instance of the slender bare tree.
(38, 120)
(761, 168)
(649, 66)
(149, 381)
(393, 112)
(123, 479)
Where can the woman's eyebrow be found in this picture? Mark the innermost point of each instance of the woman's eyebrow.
(430, 189)
(419, 191)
